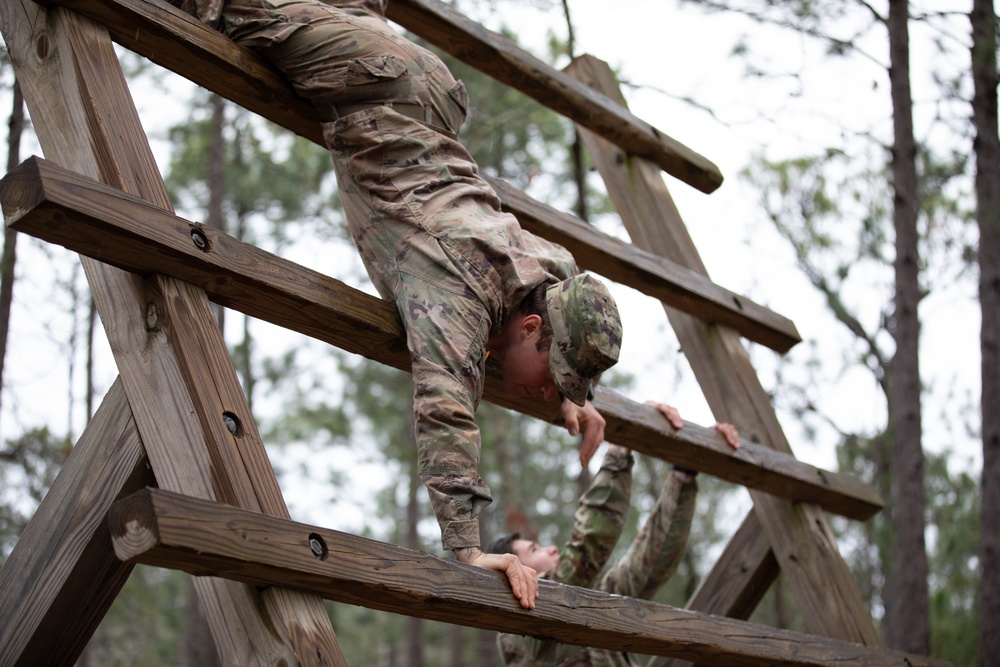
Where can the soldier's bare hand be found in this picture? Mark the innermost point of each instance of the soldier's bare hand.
(730, 433)
(590, 421)
(523, 579)
(671, 413)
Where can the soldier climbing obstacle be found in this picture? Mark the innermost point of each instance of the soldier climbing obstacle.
(646, 566)
(467, 281)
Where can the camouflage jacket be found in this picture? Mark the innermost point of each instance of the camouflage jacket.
(650, 561)
(429, 228)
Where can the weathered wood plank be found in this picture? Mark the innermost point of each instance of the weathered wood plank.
(441, 25)
(169, 38)
(62, 207)
(180, 43)
(737, 582)
(171, 530)
(799, 535)
(171, 364)
(651, 274)
(62, 575)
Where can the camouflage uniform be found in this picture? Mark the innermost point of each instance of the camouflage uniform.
(429, 228)
(651, 559)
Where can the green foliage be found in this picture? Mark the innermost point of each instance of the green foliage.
(952, 544)
(28, 466)
(953, 538)
(145, 622)
(269, 173)
(510, 135)
(835, 211)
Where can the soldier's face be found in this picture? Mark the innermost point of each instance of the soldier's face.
(541, 559)
(526, 370)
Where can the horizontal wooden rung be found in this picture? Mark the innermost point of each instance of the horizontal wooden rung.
(178, 42)
(59, 206)
(161, 528)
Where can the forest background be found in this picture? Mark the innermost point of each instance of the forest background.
(790, 99)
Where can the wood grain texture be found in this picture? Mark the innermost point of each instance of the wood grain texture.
(62, 575)
(83, 114)
(737, 582)
(172, 39)
(209, 538)
(799, 535)
(88, 217)
(178, 42)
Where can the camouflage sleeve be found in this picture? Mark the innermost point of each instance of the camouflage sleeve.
(656, 551)
(555, 260)
(600, 516)
(446, 336)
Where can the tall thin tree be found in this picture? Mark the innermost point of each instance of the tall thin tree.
(9, 257)
(987, 148)
(217, 179)
(907, 617)
(907, 623)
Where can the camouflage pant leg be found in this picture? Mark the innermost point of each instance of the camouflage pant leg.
(335, 58)
(401, 183)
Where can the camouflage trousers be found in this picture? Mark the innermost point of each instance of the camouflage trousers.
(413, 196)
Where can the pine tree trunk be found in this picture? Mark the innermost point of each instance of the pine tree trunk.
(217, 181)
(414, 625)
(91, 327)
(907, 616)
(9, 256)
(987, 148)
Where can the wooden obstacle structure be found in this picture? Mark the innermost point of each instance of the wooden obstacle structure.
(172, 470)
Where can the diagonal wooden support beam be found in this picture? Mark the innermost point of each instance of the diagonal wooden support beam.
(174, 366)
(170, 530)
(62, 207)
(799, 535)
(62, 575)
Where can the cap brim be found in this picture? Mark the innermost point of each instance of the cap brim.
(571, 384)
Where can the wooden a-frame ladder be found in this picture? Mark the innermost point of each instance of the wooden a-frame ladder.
(177, 419)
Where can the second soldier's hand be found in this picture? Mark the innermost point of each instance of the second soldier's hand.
(523, 579)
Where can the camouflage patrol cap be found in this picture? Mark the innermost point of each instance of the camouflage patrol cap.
(587, 334)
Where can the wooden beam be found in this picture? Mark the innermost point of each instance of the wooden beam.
(178, 42)
(651, 274)
(799, 535)
(171, 530)
(62, 575)
(181, 43)
(61, 207)
(443, 26)
(672, 284)
(736, 583)
(168, 37)
(174, 366)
